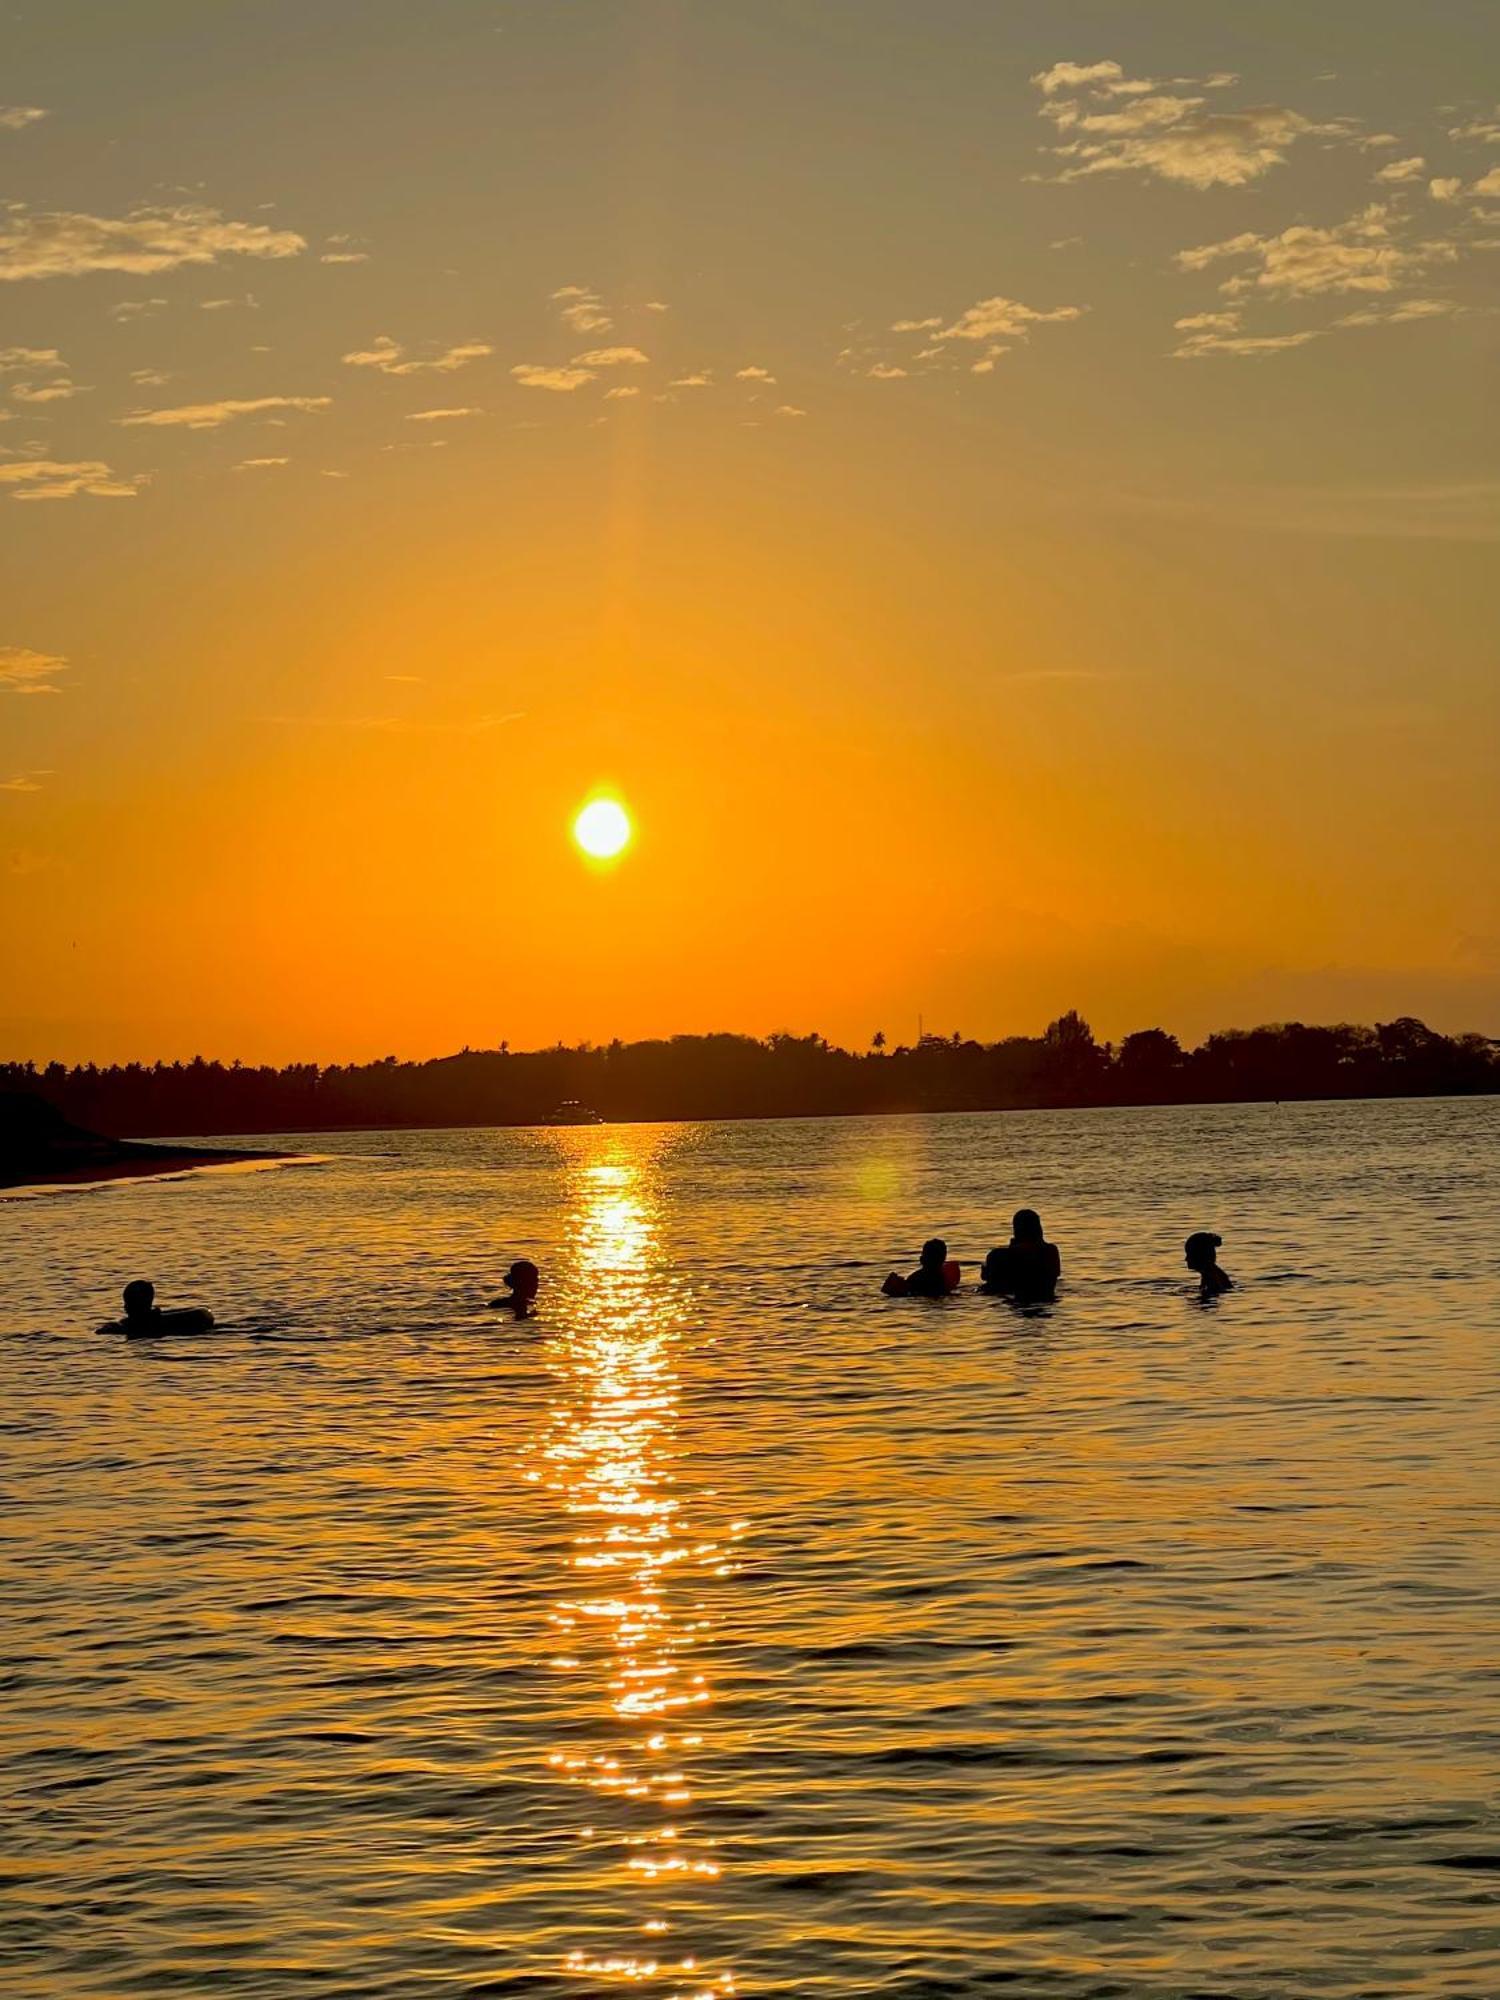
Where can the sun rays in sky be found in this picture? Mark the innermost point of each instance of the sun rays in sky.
(1015, 503)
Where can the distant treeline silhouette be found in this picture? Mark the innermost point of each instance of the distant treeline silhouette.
(738, 1076)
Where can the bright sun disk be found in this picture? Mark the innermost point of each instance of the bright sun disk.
(602, 829)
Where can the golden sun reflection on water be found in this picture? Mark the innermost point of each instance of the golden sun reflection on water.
(631, 1628)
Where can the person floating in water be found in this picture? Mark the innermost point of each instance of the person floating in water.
(524, 1280)
(143, 1316)
(1028, 1267)
(1199, 1254)
(935, 1277)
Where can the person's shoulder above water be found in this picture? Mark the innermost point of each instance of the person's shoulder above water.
(1028, 1267)
(144, 1319)
(524, 1281)
(936, 1275)
(1200, 1255)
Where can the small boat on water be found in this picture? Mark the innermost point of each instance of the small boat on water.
(571, 1112)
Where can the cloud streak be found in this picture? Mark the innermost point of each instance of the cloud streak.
(390, 357)
(562, 381)
(51, 479)
(23, 671)
(612, 357)
(1105, 122)
(212, 416)
(1363, 254)
(581, 310)
(62, 244)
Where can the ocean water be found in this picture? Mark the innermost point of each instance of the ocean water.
(730, 1629)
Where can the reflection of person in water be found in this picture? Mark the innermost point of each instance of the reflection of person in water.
(1028, 1267)
(143, 1316)
(1199, 1254)
(524, 1280)
(934, 1277)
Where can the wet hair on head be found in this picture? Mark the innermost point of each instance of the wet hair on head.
(139, 1295)
(934, 1250)
(1026, 1224)
(1201, 1244)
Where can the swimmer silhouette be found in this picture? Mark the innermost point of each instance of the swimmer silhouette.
(1028, 1267)
(935, 1277)
(1198, 1253)
(524, 1280)
(143, 1317)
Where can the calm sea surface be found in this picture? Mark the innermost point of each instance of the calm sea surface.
(733, 1630)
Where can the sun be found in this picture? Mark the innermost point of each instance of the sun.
(602, 829)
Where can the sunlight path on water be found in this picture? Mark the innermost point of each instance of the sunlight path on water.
(1127, 1648)
(630, 1625)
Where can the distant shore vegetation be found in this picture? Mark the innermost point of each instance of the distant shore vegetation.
(779, 1076)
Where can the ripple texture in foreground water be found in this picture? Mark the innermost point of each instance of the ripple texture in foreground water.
(730, 1629)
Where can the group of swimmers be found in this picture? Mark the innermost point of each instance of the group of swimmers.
(1028, 1267)
(1025, 1270)
(143, 1317)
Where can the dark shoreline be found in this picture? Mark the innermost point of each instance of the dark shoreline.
(132, 1162)
(733, 1076)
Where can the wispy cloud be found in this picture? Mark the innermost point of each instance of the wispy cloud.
(24, 781)
(1397, 173)
(211, 416)
(537, 375)
(1403, 312)
(136, 308)
(55, 385)
(612, 357)
(1364, 254)
(441, 416)
(621, 392)
(1485, 129)
(59, 244)
(995, 325)
(23, 671)
(49, 479)
(392, 358)
(342, 250)
(1106, 122)
(27, 360)
(753, 374)
(258, 464)
(16, 117)
(1003, 319)
(581, 309)
(58, 390)
(1243, 344)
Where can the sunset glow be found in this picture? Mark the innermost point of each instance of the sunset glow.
(1068, 544)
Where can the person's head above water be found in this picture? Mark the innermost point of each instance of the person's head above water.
(1199, 1250)
(934, 1254)
(1026, 1226)
(140, 1298)
(524, 1278)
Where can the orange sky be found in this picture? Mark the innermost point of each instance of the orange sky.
(1045, 555)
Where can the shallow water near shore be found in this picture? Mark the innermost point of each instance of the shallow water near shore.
(731, 1629)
